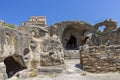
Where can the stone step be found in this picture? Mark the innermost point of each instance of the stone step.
(71, 54)
(51, 69)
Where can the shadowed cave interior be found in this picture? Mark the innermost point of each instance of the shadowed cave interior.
(14, 64)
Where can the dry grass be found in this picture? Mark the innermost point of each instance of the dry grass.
(51, 74)
(83, 74)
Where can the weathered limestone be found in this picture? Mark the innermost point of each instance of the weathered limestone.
(3, 74)
(47, 49)
(52, 53)
(100, 59)
(13, 45)
(14, 41)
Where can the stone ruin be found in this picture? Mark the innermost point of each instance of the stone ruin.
(100, 59)
(33, 46)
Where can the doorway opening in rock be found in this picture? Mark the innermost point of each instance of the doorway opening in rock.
(14, 64)
(71, 43)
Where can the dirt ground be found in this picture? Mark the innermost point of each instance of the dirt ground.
(73, 72)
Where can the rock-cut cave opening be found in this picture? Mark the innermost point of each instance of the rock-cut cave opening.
(13, 66)
(71, 43)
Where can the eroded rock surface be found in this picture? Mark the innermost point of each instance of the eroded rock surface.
(52, 53)
(13, 43)
(46, 48)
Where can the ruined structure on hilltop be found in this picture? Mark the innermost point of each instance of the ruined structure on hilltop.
(2, 22)
(34, 45)
(36, 20)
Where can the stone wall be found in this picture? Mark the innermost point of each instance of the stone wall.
(100, 59)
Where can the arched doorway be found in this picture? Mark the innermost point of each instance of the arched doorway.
(71, 43)
(71, 38)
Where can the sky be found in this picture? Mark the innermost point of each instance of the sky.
(91, 11)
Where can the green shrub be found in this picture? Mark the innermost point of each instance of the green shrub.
(10, 25)
(99, 32)
(102, 46)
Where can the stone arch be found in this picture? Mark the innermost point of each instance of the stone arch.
(66, 29)
(73, 34)
(14, 64)
(68, 34)
(101, 28)
(109, 25)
